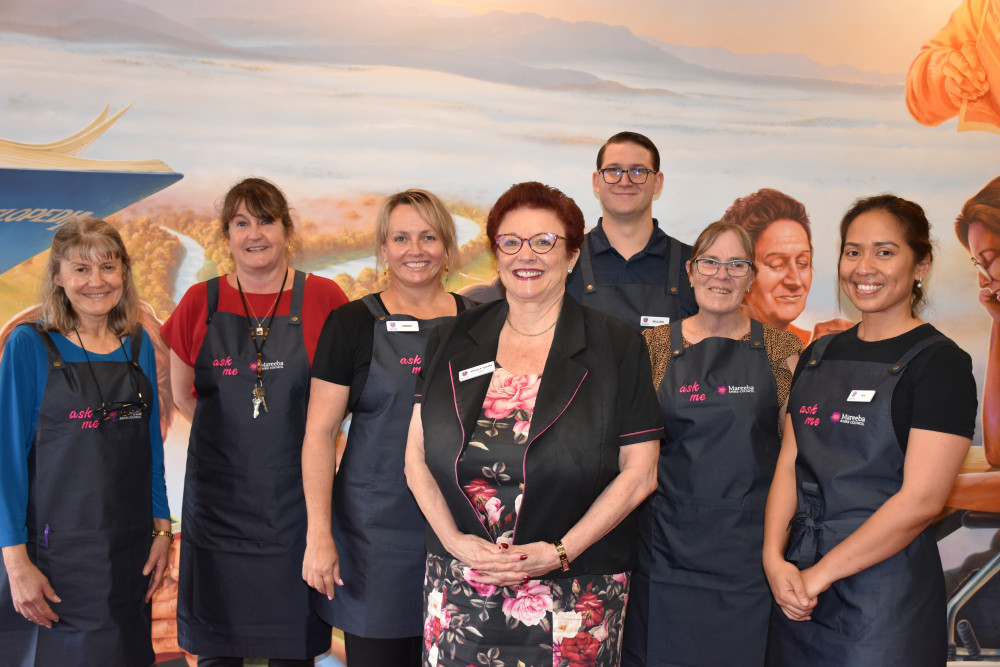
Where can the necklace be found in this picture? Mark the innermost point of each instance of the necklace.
(531, 335)
(258, 394)
(259, 329)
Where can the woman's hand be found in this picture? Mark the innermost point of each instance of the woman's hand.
(789, 590)
(321, 565)
(29, 588)
(156, 563)
(524, 562)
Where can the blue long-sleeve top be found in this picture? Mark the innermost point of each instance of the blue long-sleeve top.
(23, 375)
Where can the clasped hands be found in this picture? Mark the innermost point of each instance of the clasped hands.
(795, 591)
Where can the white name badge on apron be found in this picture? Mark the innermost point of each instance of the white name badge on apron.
(861, 396)
(402, 326)
(476, 371)
(653, 321)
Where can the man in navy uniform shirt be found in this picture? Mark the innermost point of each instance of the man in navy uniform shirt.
(629, 267)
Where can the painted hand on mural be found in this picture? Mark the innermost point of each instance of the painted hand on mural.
(951, 74)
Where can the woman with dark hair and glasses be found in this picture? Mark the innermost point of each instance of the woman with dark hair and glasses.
(241, 346)
(699, 596)
(879, 421)
(84, 522)
(534, 437)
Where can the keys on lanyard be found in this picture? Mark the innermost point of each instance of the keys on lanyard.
(259, 400)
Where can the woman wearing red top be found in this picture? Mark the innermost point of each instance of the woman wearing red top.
(241, 348)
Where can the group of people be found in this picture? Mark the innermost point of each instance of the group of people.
(625, 457)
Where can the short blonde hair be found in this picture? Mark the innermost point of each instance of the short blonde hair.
(89, 239)
(431, 210)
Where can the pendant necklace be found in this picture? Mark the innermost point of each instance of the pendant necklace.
(258, 398)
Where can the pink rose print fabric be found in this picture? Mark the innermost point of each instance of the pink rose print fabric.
(545, 623)
(490, 468)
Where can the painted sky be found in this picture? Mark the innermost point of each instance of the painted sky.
(884, 35)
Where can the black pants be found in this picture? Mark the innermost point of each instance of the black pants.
(366, 652)
(204, 661)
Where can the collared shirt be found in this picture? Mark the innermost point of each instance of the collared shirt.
(648, 266)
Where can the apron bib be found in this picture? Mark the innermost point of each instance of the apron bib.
(849, 463)
(240, 589)
(89, 519)
(635, 303)
(377, 525)
(700, 573)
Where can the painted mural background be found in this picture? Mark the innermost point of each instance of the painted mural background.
(343, 103)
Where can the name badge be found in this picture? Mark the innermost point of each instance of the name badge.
(861, 396)
(476, 371)
(653, 321)
(402, 326)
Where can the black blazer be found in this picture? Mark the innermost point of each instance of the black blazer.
(596, 395)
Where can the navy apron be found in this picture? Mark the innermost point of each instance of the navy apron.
(377, 526)
(90, 520)
(633, 303)
(849, 463)
(240, 590)
(700, 594)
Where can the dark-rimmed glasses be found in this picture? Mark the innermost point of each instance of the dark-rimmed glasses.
(983, 269)
(636, 175)
(510, 244)
(736, 268)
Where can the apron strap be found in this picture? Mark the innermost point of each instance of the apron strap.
(212, 301)
(676, 339)
(587, 266)
(756, 335)
(901, 365)
(375, 307)
(51, 351)
(674, 270)
(295, 309)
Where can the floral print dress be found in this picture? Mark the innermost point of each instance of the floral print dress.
(572, 622)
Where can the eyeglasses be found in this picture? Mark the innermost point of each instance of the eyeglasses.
(636, 175)
(119, 409)
(736, 268)
(983, 269)
(510, 244)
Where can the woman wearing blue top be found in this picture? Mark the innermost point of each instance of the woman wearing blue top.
(84, 522)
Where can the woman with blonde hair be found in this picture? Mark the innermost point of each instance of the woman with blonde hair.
(365, 545)
(84, 522)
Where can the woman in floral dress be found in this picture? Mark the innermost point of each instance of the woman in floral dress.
(543, 437)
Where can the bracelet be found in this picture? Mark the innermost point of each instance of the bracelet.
(163, 533)
(563, 559)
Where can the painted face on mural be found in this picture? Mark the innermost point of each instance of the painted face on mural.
(257, 244)
(877, 267)
(413, 250)
(627, 200)
(720, 294)
(94, 287)
(984, 244)
(528, 275)
(784, 274)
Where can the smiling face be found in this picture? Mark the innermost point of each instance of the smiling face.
(93, 287)
(625, 199)
(720, 294)
(784, 274)
(257, 244)
(527, 275)
(877, 266)
(413, 249)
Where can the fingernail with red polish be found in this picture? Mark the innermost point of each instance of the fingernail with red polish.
(525, 580)
(524, 556)
(504, 545)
